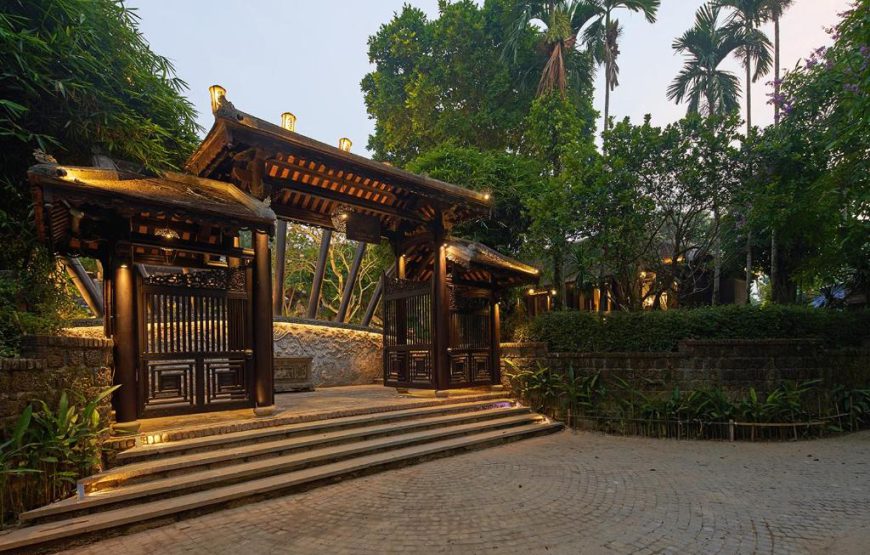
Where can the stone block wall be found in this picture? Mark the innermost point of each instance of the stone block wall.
(342, 354)
(48, 366)
(733, 365)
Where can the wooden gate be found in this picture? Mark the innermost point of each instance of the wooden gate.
(470, 340)
(408, 333)
(195, 338)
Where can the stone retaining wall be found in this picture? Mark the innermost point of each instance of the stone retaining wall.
(733, 365)
(50, 365)
(341, 354)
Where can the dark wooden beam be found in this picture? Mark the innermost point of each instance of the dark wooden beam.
(351, 280)
(319, 270)
(306, 217)
(85, 285)
(125, 342)
(440, 313)
(142, 240)
(341, 198)
(264, 394)
(342, 180)
(376, 298)
(495, 336)
(280, 260)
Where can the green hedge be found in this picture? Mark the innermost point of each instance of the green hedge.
(574, 331)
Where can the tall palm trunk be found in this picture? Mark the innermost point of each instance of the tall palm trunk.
(748, 65)
(774, 254)
(606, 75)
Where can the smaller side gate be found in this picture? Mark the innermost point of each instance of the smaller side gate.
(195, 342)
(407, 310)
(470, 348)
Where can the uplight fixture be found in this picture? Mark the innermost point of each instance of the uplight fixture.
(217, 94)
(288, 121)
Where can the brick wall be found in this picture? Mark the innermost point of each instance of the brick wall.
(50, 365)
(733, 365)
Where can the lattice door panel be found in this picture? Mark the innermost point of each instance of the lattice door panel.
(194, 341)
(407, 315)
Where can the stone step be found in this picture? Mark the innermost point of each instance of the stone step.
(222, 455)
(222, 475)
(40, 537)
(243, 437)
(220, 428)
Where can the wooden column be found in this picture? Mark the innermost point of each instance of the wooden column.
(280, 260)
(495, 340)
(85, 285)
(264, 394)
(351, 280)
(376, 298)
(440, 313)
(125, 344)
(319, 269)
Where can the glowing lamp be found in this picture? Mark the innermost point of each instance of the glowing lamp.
(166, 233)
(217, 94)
(288, 121)
(486, 196)
(552, 291)
(344, 144)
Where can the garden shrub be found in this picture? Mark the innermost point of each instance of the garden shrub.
(657, 331)
(48, 449)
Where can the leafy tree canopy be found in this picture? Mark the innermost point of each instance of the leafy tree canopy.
(446, 80)
(75, 75)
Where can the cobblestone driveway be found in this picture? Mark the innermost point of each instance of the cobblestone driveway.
(565, 493)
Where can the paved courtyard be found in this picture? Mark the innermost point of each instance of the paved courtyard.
(565, 493)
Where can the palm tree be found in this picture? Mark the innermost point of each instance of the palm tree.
(604, 35)
(775, 10)
(743, 23)
(563, 21)
(709, 90)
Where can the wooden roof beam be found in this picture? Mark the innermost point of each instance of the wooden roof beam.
(335, 196)
(333, 176)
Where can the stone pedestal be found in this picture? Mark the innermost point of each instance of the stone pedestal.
(293, 374)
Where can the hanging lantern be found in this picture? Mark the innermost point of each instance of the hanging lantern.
(288, 121)
(217, 94)
(344, 144)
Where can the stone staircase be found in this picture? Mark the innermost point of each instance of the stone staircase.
(164, 482)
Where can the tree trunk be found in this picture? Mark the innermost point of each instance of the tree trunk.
(748, 265)
(558, 282)
(774, 259)
(717, 258)
(748, 65)
(606, 75)
(748, 132)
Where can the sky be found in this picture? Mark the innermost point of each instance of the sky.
(308, 57)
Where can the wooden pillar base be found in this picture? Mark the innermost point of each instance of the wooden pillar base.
(264, 411)
(402, 390)
(497, 387)
(443, 393)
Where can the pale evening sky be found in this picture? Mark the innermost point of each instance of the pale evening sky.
(308, 57)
